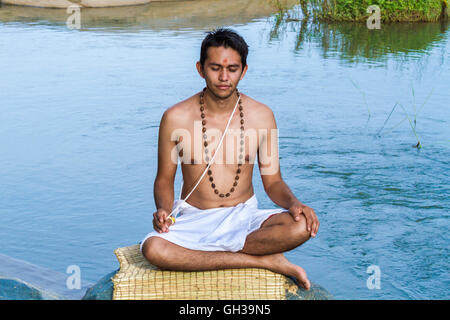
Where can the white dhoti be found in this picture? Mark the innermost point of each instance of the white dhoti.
(216, 229)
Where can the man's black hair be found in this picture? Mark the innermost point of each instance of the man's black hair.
(226, 38)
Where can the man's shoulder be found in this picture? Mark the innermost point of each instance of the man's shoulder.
(259, 111)
(181, 111)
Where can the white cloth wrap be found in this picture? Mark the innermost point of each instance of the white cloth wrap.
(216, 229)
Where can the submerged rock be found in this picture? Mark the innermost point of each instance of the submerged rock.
(15, 289)
(21, 280)
(102, 290)
(12, 289)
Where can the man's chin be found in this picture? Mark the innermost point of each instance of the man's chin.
(223, 94)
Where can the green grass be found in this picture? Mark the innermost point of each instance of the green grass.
(391, 10)
(412, 122)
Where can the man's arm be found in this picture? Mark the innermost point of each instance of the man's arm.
(274, 185)
(163, 189)
(269, 164)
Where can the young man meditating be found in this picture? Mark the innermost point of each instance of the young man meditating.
(217, 224)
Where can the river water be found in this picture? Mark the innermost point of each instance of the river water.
(79, 115)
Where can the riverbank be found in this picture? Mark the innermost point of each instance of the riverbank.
(81, 3)
(173, 15)
(390, 11)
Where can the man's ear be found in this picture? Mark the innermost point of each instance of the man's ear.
(200, 69)
(243, 72)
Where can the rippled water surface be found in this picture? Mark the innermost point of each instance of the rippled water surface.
(79, 115)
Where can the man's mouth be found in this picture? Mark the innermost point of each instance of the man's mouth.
(223, 87)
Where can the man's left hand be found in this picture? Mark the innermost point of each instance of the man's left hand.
(312, 222)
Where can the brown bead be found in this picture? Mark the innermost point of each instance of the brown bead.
(238, 171)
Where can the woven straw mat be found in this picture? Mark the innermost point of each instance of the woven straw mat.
(137, 279)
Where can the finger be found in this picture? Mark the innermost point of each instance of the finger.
(156, 217)
(162, 217)
(157, 221)
(167, 224)
(313, 229)
(314, 225)
(159, 224)
(155, 226)
(309, 222)
(296, 214)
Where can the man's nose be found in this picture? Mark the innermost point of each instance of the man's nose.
(223, 75)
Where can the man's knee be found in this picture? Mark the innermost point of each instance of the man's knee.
(154, 250)
(298, 230)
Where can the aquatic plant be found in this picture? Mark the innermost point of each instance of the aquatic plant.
(413, 123)
(391, 10)
(363, 94)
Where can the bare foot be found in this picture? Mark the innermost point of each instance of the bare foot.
(278, 263)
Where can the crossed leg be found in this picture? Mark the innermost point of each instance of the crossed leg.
(263, 248)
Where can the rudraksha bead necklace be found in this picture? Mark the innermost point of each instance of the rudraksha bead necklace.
(205, 143)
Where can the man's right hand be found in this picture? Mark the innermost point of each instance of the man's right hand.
(160, 221)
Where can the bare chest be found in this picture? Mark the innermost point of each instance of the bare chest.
(197, 142)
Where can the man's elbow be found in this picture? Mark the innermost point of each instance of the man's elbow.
(268, 187)
(161, 182)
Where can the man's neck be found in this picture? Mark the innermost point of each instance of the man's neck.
(217, 106)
